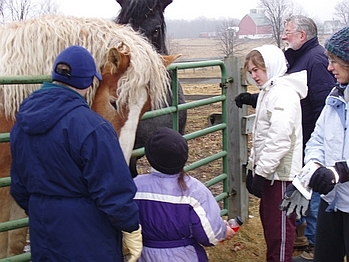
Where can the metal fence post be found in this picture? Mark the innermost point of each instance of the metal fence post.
(237, 141)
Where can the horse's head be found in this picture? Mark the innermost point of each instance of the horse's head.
(123, 105)
(104, 103)
(147, 17)
(111, 101)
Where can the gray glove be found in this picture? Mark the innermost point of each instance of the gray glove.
(294, 202)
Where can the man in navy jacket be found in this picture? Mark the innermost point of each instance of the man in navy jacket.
(68, 171)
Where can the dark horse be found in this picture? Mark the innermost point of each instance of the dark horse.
(147, 16)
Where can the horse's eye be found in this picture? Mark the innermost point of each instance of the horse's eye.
(156, 32)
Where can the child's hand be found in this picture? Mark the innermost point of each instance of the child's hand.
(230, 233)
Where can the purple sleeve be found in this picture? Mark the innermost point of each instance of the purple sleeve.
(208, 227)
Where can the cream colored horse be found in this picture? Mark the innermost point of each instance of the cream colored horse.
(134, 81)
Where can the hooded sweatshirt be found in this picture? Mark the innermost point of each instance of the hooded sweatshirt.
(277, 132)
(69, 175)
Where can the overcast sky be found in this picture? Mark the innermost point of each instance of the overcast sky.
(319, 10)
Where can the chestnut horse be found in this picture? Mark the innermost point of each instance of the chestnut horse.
(147, 17)
(134, 80)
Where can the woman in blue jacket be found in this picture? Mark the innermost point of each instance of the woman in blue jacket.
(68, 171)
(328, 147)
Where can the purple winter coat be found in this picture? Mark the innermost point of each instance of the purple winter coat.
(176, 224)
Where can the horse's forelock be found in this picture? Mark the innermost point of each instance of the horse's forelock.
(145, 16)
(136, 12)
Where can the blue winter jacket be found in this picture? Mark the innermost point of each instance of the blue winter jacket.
(311, 57)
(329, 143)
(69, 175)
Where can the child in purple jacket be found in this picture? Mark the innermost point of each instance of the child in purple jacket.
(178, 213)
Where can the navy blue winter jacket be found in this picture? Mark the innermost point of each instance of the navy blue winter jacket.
(69, 175)
(311, 57)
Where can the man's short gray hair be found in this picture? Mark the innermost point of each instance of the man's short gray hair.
(303, 23)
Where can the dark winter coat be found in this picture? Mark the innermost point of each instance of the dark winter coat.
(70, 176)
(311, 57)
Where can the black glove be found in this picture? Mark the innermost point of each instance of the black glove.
(249, 181)
(294, 201)
(342, 170)
(323, 180)
(257, 185)
(245, 99)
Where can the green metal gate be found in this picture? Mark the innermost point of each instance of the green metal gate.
(234, 197)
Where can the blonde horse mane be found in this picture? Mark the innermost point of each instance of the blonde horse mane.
(29, 47)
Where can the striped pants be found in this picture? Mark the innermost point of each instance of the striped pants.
(278, 229)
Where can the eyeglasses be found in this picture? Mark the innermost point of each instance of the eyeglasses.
(287, 33)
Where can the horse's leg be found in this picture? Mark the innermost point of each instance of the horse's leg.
(16, 238)
(11, 242)
(4, 216)
(5, 198)
(133, 166)
(182, 114)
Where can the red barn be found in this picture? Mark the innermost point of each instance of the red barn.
(254, 25)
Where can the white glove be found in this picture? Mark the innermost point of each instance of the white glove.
(132, 244)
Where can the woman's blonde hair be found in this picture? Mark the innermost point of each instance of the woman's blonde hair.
(257, 59)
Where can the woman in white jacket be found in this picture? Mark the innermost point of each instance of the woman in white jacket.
(276, 154)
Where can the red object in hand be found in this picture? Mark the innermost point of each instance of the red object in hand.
(235, 223)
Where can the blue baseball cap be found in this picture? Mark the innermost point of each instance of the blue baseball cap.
(81, 67)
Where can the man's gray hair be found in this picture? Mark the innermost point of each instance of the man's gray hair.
(303, 23)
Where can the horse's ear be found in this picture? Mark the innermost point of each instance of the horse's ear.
(119, 56)
(113, 55)
(163, 4)
(168, 59)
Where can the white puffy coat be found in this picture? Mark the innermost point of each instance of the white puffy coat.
(277, 143)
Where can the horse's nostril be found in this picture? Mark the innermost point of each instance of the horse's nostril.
(113, 104)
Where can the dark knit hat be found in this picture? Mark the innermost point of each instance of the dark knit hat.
(338, 44)
(81, 67)
(167, 151)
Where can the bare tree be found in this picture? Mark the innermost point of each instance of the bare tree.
(2, 15)
(226, 35)
(23, 9)
(172, 46)
(19, 9)
(276, 11)
(342, 11)
(48, 7)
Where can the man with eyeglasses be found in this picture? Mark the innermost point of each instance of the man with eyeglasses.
(303, 52)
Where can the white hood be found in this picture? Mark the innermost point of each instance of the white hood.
(274, 60)
(276, 65)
